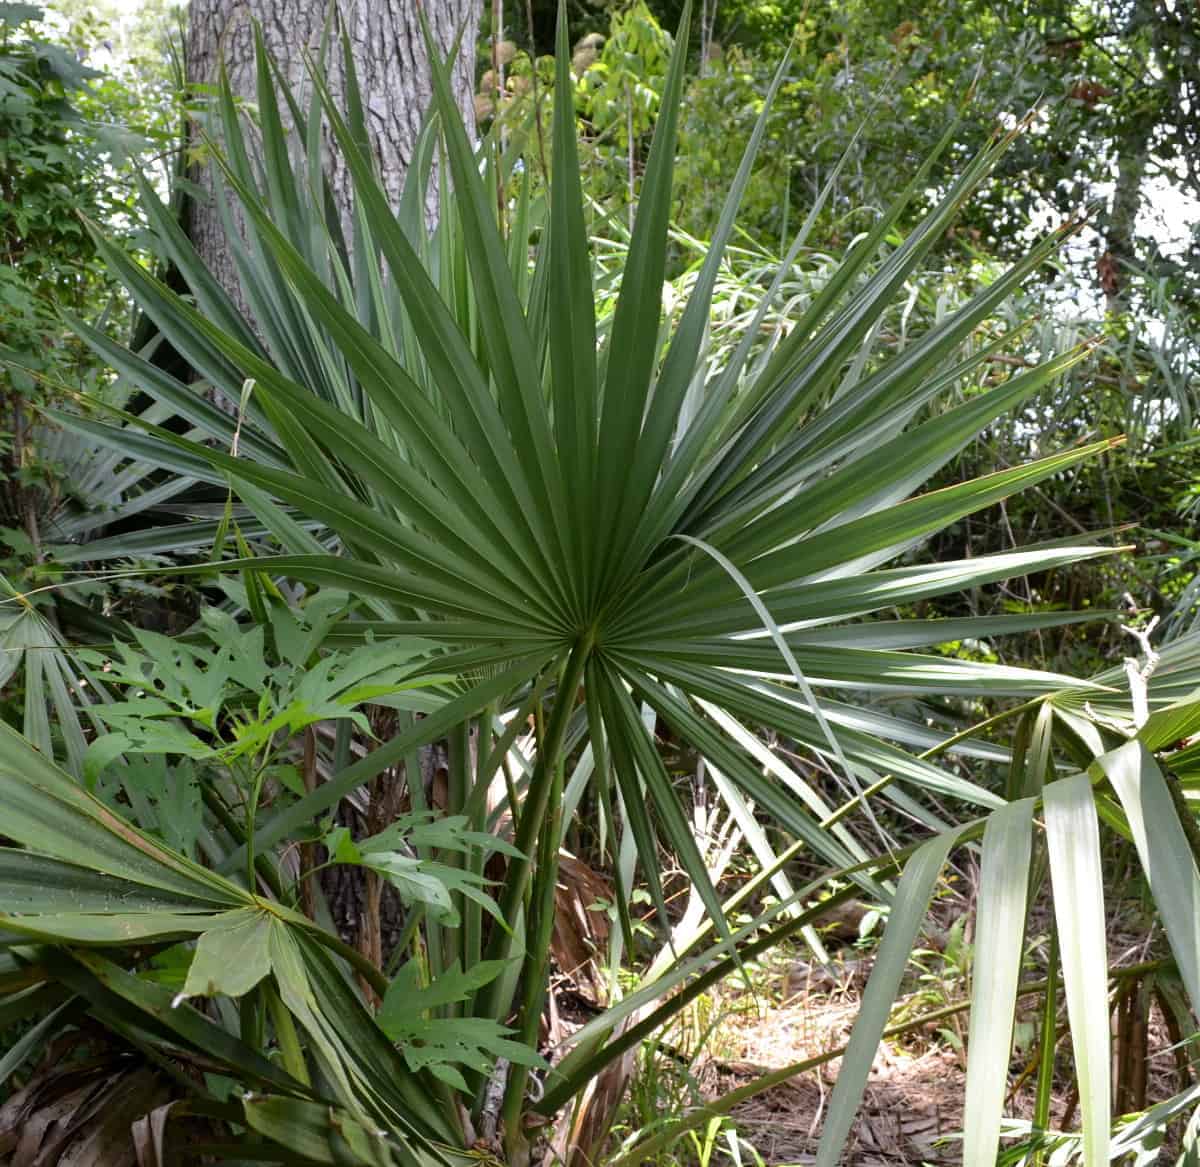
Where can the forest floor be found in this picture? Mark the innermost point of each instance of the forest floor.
(913, 1101)
(913, 1098)
(789, 1009)
(912, 1112)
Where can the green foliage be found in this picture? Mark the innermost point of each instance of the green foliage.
(410, 1016)
(436, 886)
(620, 87)
(869, 90)
(493, 491)
(66, 134)
(624, 533)
(215, 715)
(212, 721)
(48, 175)
(233, 694)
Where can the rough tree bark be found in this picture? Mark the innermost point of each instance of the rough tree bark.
(389, 55)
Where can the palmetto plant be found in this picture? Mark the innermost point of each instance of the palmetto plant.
(93, 486)
(591, 531)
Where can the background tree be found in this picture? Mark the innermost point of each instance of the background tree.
(389, 58)
(66, 131)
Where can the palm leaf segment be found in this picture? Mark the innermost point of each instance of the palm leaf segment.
(538, 490)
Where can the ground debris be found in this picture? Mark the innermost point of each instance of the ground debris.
(912, 1111)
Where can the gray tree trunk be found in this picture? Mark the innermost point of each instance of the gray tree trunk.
(389, 56)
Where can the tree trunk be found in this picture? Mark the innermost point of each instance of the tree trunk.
(1132, 146)
(1120, 257)
(389, 56)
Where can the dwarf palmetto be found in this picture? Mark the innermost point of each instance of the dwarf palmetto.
(585, 526)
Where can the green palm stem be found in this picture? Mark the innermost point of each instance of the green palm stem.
(430, 951)
(251, 812)
(262, 861)
(410, 936)
(351, 955)
(533, 818)
(1048, 1042)
(534, 979)
(290, 1049)
(601, 765)
(476, 811)
(457, 790)
(250, 1014)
